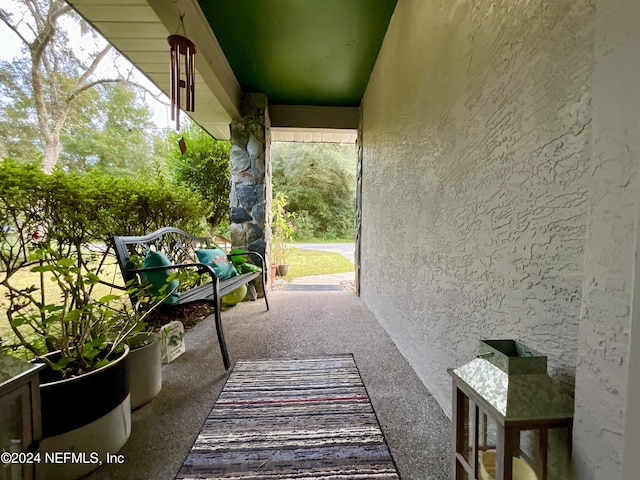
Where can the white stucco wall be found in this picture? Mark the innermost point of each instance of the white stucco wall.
(476, 127)
(501, 143)
(477, 181)
(606, 426)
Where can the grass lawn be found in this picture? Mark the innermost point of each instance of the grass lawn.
(26, 278)
(312, 262)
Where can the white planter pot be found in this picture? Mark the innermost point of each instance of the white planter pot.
(88, 416)
(145, 369)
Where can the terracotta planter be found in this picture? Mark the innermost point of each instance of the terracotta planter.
(274, 269)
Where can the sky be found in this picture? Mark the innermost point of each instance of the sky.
(9, 43)
(10, 47)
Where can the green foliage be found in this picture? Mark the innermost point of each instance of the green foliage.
(129, 206)
(76, 209)
(54, 108)
(319, 180)
(19, 133)
(110, 134)
(107, 128)
(87, 332)
(282, 227)
(58, 227)
(204, 168)
(80, 209)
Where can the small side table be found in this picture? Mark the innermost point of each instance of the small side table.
(499, 397)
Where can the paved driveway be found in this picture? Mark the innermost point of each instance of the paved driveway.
(347, 250)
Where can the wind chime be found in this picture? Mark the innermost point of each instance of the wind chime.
(182, 52)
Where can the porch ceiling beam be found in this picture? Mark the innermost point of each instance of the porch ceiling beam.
(302, 116)
(313, 135)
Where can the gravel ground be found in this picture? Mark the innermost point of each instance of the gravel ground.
(280, 284)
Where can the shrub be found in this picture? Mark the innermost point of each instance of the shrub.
(79, 209)
(71, 218)
(204, 168)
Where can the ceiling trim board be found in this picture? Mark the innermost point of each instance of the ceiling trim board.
(299, 116)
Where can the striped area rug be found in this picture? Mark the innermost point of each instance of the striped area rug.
(303, 418)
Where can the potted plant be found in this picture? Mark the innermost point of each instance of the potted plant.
(85, 388)
(282, 228)
(54, 272)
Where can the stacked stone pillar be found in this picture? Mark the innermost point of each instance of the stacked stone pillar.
(251, 177)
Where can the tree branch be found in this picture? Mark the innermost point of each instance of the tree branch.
(46, 27)
(103, 81)
(89, 71)
(5, 17)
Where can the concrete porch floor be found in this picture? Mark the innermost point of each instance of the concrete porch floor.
(299, 323)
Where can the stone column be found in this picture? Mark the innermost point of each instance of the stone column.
(250, 160)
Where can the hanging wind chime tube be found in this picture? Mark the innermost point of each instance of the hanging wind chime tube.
(182, 52)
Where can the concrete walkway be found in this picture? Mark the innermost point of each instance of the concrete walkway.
(322, 283)
(299, 323)
(329, 279)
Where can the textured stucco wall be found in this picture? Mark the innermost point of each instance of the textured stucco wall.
(606, 413)
(476, 127)
(501, 144)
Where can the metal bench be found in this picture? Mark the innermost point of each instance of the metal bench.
(180, 247)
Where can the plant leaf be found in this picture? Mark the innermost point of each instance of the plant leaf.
(16, 322)
(109, 298)
(43, 268)
(92, 278)
(62, 363)
(102, 363)
(66, 262)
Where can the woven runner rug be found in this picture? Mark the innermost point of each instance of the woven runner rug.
(304, 418)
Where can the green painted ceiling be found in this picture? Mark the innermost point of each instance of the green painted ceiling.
(301, 52)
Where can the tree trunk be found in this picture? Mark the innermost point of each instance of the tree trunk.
(52, 151)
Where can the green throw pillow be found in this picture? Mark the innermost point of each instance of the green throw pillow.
(158, 278)
(218, 260)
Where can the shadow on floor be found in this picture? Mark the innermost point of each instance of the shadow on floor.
(299, 323)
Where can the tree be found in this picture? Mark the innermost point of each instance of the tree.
(204, 168)
(319, 180)
(53, 84)
(18, 130)
(110, 135)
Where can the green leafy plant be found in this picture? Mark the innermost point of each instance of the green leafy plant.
(240, 261)
(57, 271)
(87, 332)
(320, 181)
(282, 227)
(203, 168)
